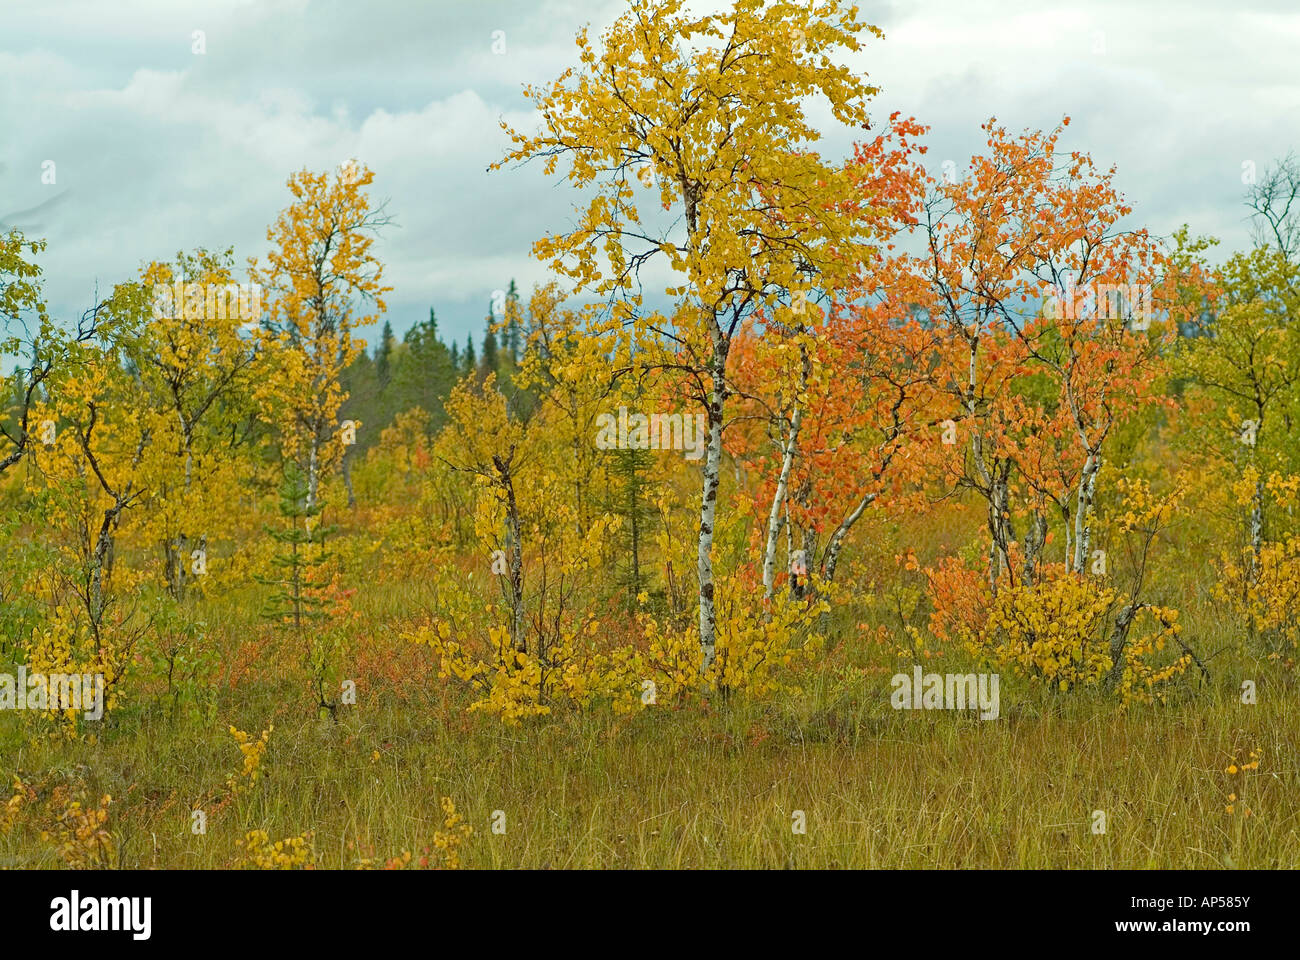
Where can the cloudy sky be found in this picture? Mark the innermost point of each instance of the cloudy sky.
(157, 148)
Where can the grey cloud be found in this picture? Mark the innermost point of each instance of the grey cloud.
(159, 149)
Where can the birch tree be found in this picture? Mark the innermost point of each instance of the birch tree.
(1026, 245)
(42, 348)
(193, 368)
(1247, 357)
(706, 114)
(322, 283)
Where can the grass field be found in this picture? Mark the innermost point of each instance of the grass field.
(698, 784)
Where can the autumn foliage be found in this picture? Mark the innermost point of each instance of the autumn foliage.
(922, 411)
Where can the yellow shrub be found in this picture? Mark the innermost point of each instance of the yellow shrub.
(514, 685)
(1270, 605)
(756, 649)
(253, 752)
(1051, 631)
(61, 645)
(1058, 632)
(77, 830)
(447, 841)
(292, 853)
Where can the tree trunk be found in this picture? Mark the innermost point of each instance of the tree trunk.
(1083, 510)
(634, 508)
(1256, 528)
(1065, 519)
(174, 553)
(1117, 640)
(708, 512)
(515, 542)
(1035, 538)
(985, 477)
(101, 561)
(774, 522)
(837, 538)
(313, 475)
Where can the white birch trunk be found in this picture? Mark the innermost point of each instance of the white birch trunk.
(837, 538)
(778, 500)
(1256, 529)
(708, 513)
(1083, 510)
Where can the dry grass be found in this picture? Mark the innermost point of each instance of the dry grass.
(700, 785)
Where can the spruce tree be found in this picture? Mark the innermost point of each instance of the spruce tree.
(630, 501)
(471, 362)
(384, 356)
(489, 363)
(514, 329)
(292, 602)
(302, 549)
